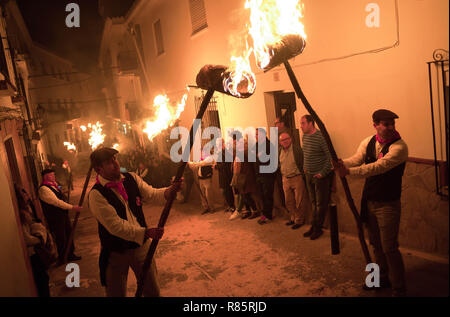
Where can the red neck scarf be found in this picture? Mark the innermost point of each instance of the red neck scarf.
(394, 138)
(118, 186)
(50, 184)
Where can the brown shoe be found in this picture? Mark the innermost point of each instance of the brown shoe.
(309, 232)
(297, 225)
(316, 234)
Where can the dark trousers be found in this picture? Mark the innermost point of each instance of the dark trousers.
(266, 186)
(40, 276)
(319, 190)
(227, 193)
(187, 191)
(60, 227)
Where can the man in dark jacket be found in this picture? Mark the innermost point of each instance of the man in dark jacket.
(224, 165)
(265, 176)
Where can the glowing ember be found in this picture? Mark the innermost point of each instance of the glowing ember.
(166, 115)
(97, 138)
(70, 146)
(271, 21)
(241, 80)
(83, 128)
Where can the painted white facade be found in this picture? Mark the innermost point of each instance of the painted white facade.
(343, 71)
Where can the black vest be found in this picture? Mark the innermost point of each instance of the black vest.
(206, 172)
(383, 187)
(107, 240)
(50, 208)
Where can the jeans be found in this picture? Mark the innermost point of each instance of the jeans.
(227, 193)
(319, 190)
(266, 185)
(383, 226)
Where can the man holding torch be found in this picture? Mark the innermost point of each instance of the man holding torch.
(116, 202)
(56, 212)
(381, 160)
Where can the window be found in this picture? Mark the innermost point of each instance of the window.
(198, 15)
(138, 32)
(158, 37)
(211, 117)
(3, 64)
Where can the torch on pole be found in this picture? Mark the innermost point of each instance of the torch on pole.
(169, 202)
(77, 215)
(325, 134)
(212, 78)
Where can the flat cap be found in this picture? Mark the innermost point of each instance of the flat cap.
(102, 154)
(47, 171)
(383, 114)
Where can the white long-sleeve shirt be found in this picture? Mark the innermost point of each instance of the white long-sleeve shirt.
(46, 195)
(398, 154)
(128, 229)
(206, 162)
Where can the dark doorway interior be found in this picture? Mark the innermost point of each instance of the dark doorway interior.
(285, 107)
(12, 161)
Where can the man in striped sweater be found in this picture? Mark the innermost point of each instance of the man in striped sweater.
(318, 172)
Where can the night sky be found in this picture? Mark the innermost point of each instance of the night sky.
(46, 23)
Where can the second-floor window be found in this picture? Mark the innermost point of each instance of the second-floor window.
(198, 15)
(158, 37)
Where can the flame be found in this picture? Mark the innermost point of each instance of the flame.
(97, 138)
(70, 146)
(83, 128)
(165, 116)
(241, 79)
(271, 20)
(116, 146)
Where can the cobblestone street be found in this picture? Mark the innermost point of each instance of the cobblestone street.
(209, 256)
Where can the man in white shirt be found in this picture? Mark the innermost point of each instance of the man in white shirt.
(204, 175)
(381, 160)
(56, 212)
(293, 184)
(116, 203)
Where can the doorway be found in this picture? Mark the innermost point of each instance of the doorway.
(285, 107)
(12, 161)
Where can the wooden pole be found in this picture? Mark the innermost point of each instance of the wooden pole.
(169, 202)
(77, 215)
(327, 138)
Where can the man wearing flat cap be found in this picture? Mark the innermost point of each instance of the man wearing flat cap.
(381, 159)
(116, 202)
(56, 212)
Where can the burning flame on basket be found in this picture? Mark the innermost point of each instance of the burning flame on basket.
(240, 80)
(96, 136)
(70, 146)
(275, 25)
(166, 115)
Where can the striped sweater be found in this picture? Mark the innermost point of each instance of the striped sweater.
(317, 158)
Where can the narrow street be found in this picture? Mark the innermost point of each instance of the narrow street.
(209, 256)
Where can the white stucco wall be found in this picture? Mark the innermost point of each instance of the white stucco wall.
(344, 92)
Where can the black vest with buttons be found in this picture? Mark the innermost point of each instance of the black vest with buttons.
(107, 240)
(386, 186)
(50, 208)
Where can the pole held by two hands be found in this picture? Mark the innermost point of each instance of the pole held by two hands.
(169, 202)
